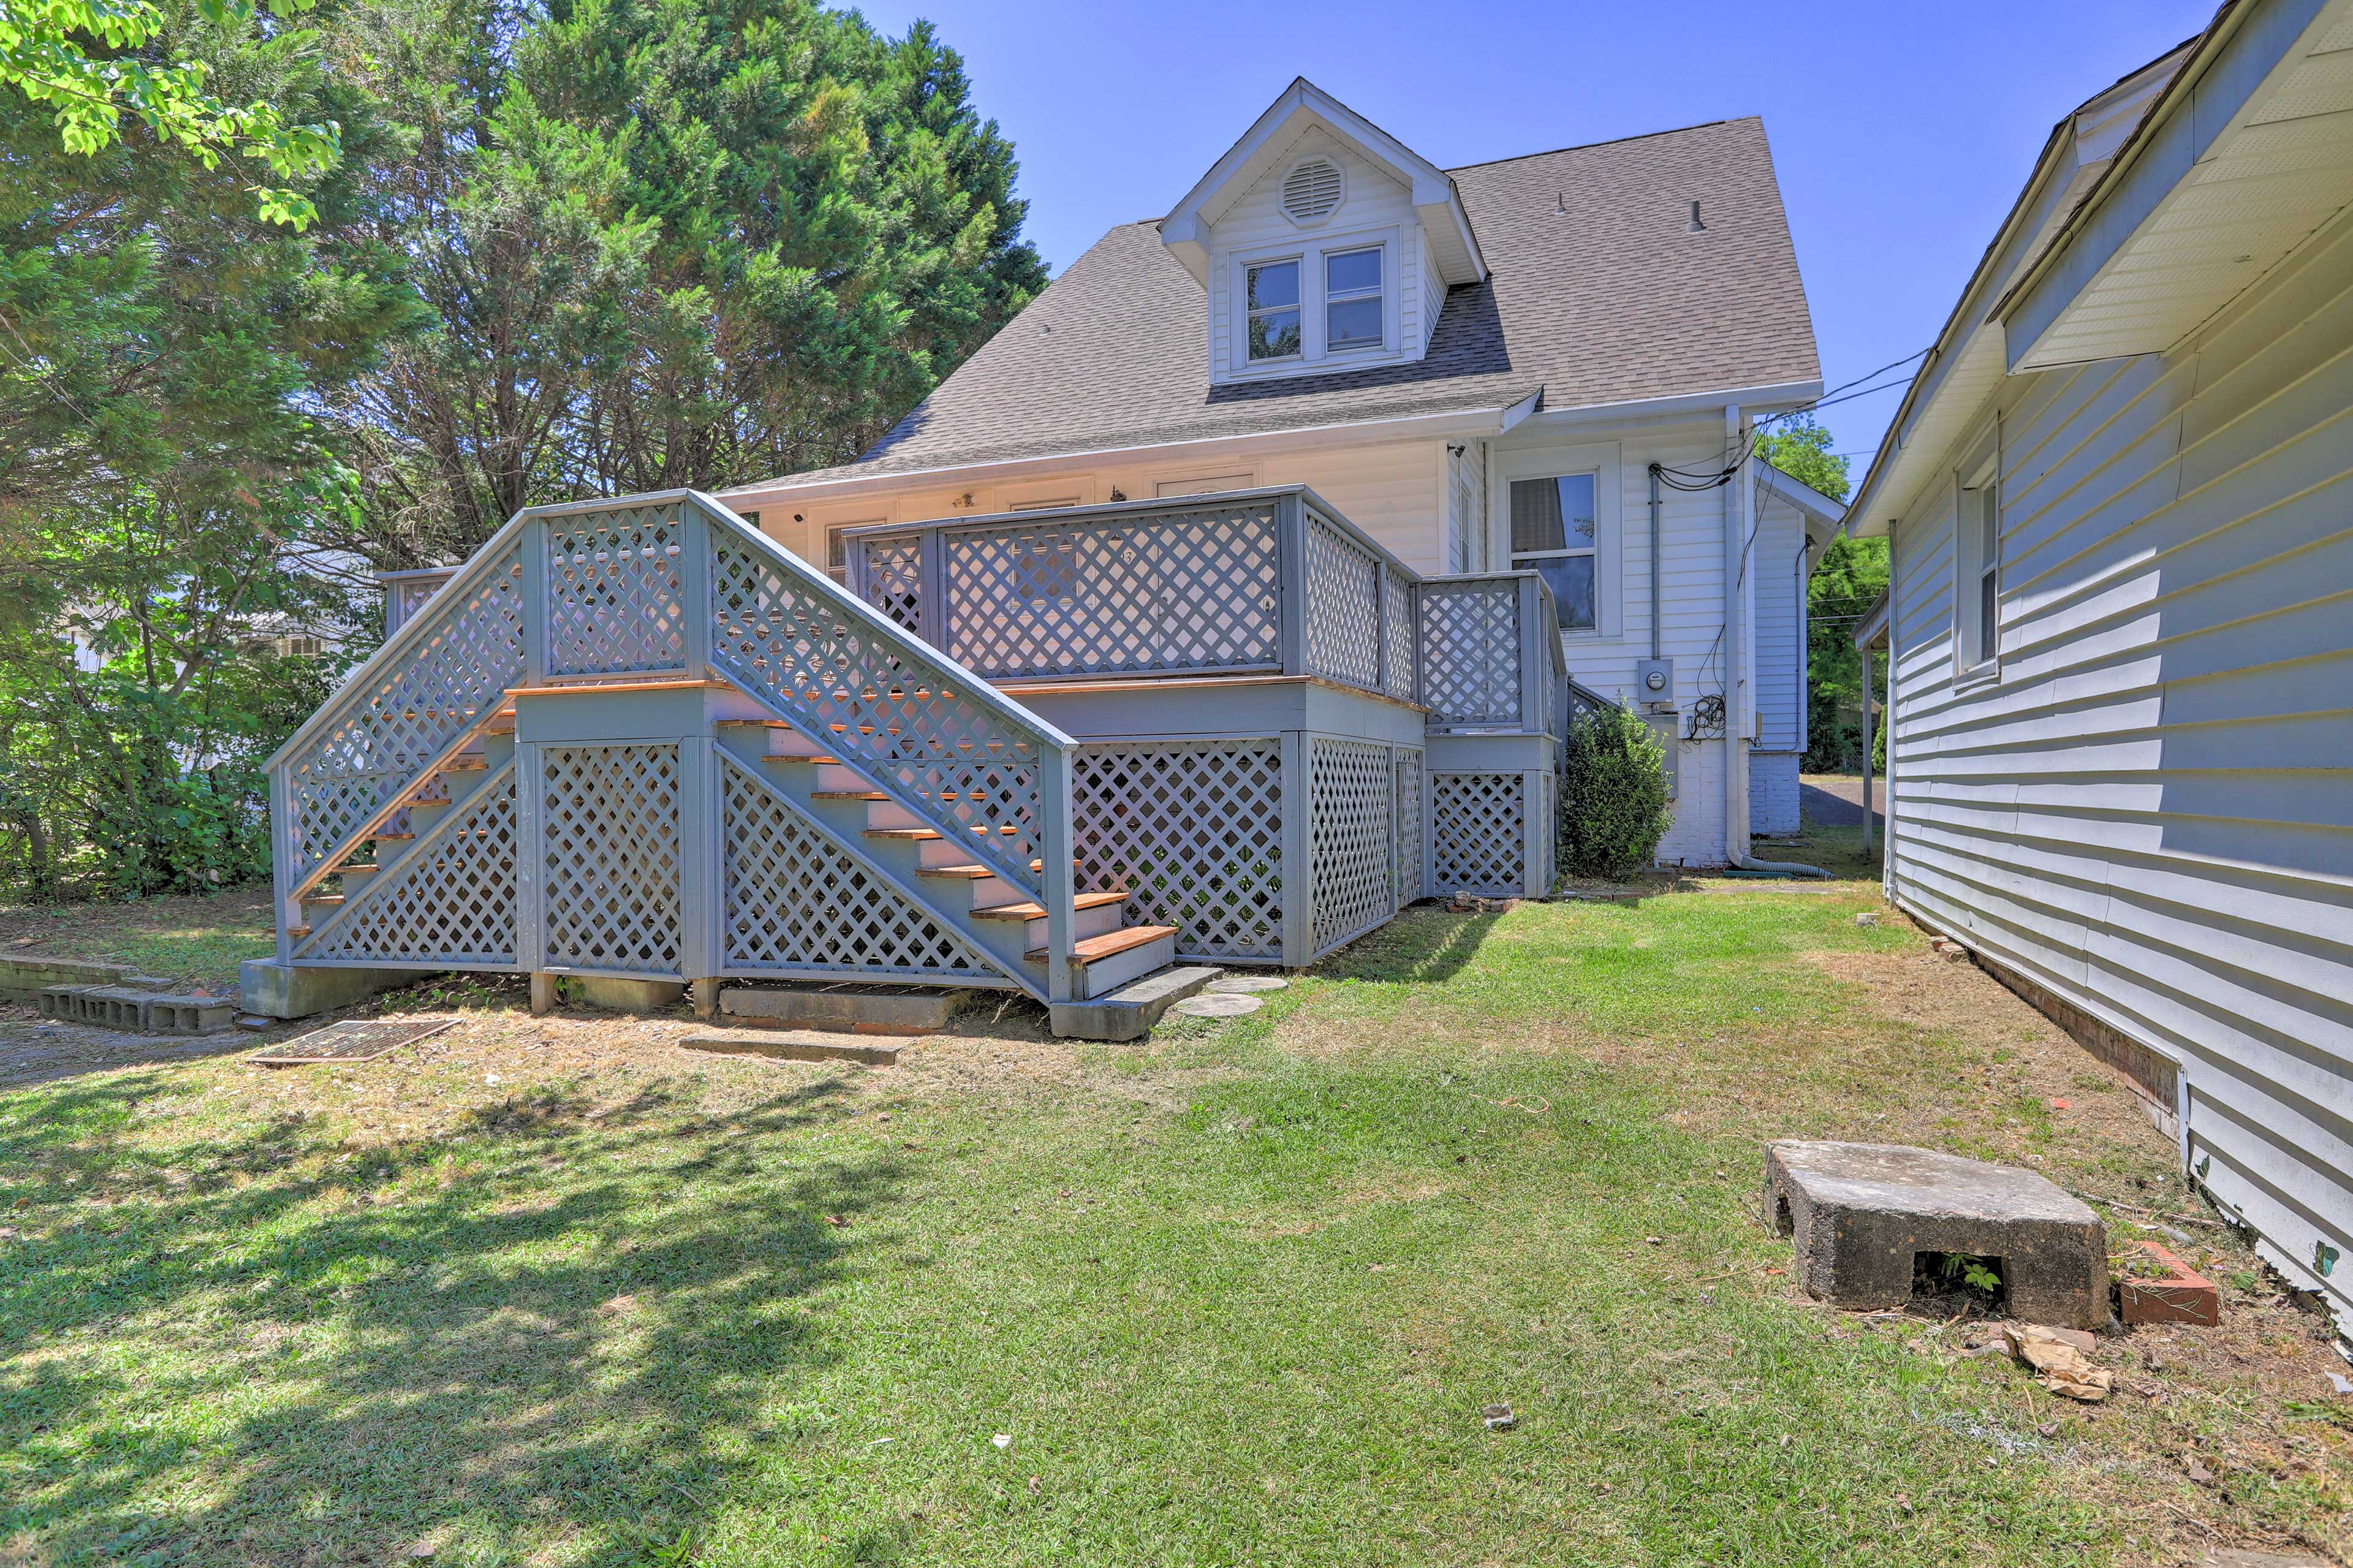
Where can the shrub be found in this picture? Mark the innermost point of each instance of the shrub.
(1613, 796)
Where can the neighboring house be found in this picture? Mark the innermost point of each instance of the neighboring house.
(1476, 366)
(1225, 603)
(2120, 501)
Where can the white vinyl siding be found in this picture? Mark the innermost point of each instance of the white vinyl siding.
(2151, 814)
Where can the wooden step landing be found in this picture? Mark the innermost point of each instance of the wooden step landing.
(847, 795)
(1111, 943)
(1035, 912)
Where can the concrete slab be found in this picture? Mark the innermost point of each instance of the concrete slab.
(1862, 1214)
(845, 1008)
(1128, 1013)
(1218, 1005)
(276, 990)
(794, 1044)
(1246, 985)
(618, 996)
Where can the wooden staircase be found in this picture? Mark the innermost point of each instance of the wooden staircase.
(428, 801)
(997, 915)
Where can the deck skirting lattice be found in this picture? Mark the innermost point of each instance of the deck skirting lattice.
(1351, 837)
(610, 855)
(1479, 833)
(451, 901)
(796, 903)
(1194, 830)
(1407, 818)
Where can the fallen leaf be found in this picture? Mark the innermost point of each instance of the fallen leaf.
(2197, 1471)
(2060, 1355)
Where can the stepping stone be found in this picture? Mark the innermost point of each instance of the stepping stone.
(792, 1046)
(1217, 1004)
(1244, 984)
(1862, 1214)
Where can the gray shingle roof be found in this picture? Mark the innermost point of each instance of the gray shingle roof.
(1608, 302)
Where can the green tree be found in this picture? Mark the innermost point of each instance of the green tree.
(1800, 448)
(670, 242)
(46, 55)
(167, 481)
(1846, 582)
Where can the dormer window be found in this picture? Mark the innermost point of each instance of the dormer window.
(1353, 317)
(1273, 288)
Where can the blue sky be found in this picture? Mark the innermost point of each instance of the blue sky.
(1901, 132)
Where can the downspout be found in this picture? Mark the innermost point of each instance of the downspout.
(1740, 508)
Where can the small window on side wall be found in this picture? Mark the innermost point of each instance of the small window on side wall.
(1978, 612)
(1553, 535)
(1353, 313)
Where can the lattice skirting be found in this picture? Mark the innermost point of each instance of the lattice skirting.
(1407, 818)
(1479, 833)
(1352, 839)
(448, 902)
(1195, 828)
(796, 902)
(609, 847)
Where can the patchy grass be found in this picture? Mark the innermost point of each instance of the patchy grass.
(555, 1290)
(198, 939)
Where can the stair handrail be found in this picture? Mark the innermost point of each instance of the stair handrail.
(917, 676)
(305, 849)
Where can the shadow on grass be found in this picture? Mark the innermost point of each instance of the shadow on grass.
(1424, 944)
(296, 1353)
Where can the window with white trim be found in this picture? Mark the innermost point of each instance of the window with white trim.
(1553, 522)
(1354, 314)
(1273, 290)
(1977, 576)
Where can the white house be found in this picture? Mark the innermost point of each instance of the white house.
(1477, 366)
(2120, 501)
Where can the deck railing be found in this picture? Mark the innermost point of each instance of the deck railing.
(1491, 658)
(1245, 582)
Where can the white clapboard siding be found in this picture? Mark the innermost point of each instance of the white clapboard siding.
(2150, 811)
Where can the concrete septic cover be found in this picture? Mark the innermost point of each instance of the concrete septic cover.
(1862, 1214)
(1243, 985)
(1221, 1005)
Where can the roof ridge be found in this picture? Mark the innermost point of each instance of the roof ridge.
(1608, 142)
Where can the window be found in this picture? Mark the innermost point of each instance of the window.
(1989, 523)
(836, 555)
(1351, 300)
(1273, 288)
(1552, 534)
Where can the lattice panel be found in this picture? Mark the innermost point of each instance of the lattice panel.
(1343, 607)
(895, 579)
(609, 847)
(1189, 590)
(796, 900)
(1350, 838)
(1545, 842)
(394, 719)
(1408, 826)
(1478, 833)
(1470, 652)
(1397, 625)
(616, 600)
(1194, 829)
(886, 701)
(451, 901)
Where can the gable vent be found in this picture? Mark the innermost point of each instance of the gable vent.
(1311, 191)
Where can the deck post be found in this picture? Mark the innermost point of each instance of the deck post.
(1290, 577)
(531, 868)
(1057, 877)
(1531, 650)
(694, 584)
(931, 613)
(533, 547)
(1297, 873)
(1381, 627)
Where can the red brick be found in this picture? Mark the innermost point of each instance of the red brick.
(2185, 1296)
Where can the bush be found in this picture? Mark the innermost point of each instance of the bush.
(1613, 796)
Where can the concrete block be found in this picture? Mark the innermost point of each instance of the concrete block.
(1129, 1013)
(279, 990)
(1862, 1214)
(793, 1045)
(845, 1008)
(25, 975)
(625, 995)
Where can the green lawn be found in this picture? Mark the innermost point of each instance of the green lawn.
(198, 939)
(1237, 1295)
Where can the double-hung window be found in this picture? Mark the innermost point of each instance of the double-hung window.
(1977, 576)
(1351, 300)
(1273, 290)
(1988, 523)
(1553, 535)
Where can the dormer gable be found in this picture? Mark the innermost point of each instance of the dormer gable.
(1323, 244)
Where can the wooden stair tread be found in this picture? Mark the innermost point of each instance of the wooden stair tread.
(465, 765)
(1109, 944)
(323, 899)
(847, 795)
(297, 931)
(393, 838)
(922, 834)
(1037, 912)
(789, 757)
(973, 873)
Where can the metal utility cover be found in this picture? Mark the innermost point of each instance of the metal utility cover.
(353, 1040)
